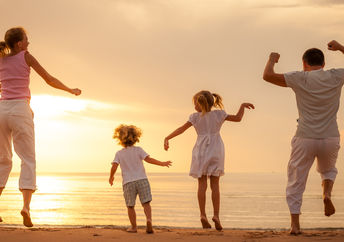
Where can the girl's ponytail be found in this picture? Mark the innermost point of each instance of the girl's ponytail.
(4, 50)
(12, 36)
(218, 101)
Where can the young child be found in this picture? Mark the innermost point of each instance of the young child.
(134, 177)
(208, 152)
(16, 116)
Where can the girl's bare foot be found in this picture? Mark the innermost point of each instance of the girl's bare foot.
(328, 206)
(149, 228)
(26, 218)
(205, 223)
(218, 225)
(132, 230)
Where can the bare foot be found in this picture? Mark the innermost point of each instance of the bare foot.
(218, 225)
(132, 230)
(295, 228)
(205, 223)
(149, 228)
(1, 220)
(26, 218)
(295, 232)
(329, 208)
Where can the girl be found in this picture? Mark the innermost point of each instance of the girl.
(134, 177)
(16, 117)
(208, 152)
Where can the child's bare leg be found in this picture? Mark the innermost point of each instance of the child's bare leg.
(295, 224)
(148, 212)
(1, 188)
(327, 189)
(215, 196)
(132, 219)
(202, 188)
(25, 212)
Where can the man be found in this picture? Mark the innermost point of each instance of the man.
(317, 95)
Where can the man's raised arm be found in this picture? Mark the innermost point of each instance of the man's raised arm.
(269, 73)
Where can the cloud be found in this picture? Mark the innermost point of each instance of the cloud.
(297, 4)
(328, 3)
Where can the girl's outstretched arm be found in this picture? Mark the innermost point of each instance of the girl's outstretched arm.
(175, 133)
(157, 162)
(112, 173)
(50, 80)
(240, 114)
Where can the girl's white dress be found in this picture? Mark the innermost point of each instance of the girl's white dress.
(208, 154)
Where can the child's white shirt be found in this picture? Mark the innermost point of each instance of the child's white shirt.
(130, 161)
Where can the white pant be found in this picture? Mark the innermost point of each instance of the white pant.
(16, 122)
(303, 153)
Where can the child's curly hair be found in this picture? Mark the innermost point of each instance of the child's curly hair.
(127, 135)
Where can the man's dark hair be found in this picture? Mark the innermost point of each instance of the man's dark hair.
(314, 57)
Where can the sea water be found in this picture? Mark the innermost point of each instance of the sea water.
(248, 200)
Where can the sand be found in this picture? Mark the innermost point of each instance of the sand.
(41, 234)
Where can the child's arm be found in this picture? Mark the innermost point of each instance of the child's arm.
(50, 80)
(240, 114)
(112, 173)
(153, 161)
(269, 73)
(334, 45)
(175, 133)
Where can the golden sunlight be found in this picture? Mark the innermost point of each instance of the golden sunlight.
(47, 106)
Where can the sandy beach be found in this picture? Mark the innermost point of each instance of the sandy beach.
(11, 234)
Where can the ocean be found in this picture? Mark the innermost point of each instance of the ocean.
(248, 201)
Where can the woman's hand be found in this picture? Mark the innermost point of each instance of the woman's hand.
(75, 91)
(167, 163)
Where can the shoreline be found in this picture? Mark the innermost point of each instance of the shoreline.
(160, 227)
(89, 233)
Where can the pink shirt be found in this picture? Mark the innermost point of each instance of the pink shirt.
(14, 77)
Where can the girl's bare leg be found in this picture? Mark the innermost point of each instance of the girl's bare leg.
(148, 212)
(202, 188)
(132, 219)
(25, 212)
(215, 196)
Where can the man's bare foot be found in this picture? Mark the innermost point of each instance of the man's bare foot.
(26, 218)
(328, 206)
(149, 228)
(295, 226)
(132, 230)
(218, 225)
(295, 232)
(205, 223)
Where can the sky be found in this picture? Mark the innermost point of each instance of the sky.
(140, 62)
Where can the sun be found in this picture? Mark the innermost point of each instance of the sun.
(47, 106)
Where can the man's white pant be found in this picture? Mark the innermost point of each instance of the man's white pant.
(303, 153)
(16, 122)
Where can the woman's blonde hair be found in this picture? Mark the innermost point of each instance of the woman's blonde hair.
(206, 100)
(12, 36)
(127, 135)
